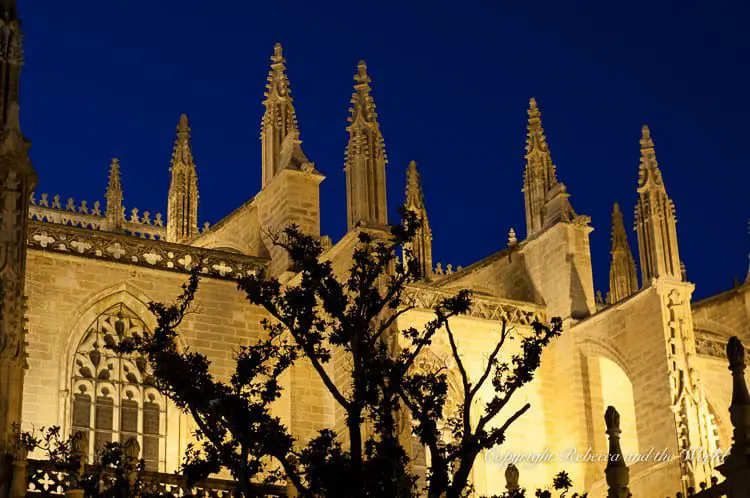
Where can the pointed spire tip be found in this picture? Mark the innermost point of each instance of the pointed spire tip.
(532, 103)
(278, 52)
(362, 76)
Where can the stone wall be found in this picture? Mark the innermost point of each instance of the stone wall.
(67, 293)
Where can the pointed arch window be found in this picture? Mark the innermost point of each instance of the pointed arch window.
(114, 397)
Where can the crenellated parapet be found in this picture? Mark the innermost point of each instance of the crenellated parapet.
(482, 307)
(82, 215)
(149, 253)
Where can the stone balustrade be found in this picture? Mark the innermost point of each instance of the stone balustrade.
(82, 215)
(47, 481)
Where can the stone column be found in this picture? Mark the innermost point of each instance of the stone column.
(17, 179)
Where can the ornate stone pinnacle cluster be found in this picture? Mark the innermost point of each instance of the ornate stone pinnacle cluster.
(414, 194)
(649, 172)
(546, 199)
(623, 280)
(365, 158)
(182, 202)
(182, 153)
(280, 119)
(114, 196)
(421, 248)
(655, 220)
(537, 148)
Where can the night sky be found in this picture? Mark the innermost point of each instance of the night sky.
(451, 82)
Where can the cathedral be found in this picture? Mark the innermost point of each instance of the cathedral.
(77, 275)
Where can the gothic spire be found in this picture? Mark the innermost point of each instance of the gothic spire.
(546, 198)
(622, 277)
(279, 119)
(421, 246)
(365, 158)
(114, 210)
(182, 202)
(655, 221)
(539, 174)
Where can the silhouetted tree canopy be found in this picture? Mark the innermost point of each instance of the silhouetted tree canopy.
(320, 316)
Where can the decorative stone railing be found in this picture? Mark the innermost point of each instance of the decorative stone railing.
(486, 308)
(92, 217)
(44, 480)
(448, 270)
(142, 252)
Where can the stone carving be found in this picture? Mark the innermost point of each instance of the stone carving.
(512, 239)
(142, 252)
(482, 307)
(92, 219)
(365, 157)
(693, 419)
(182, 201)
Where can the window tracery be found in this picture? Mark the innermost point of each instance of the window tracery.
(114, 396)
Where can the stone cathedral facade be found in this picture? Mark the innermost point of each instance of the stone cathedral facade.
(75, 276)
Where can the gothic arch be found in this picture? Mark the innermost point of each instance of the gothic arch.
(86, 313)
(592, 346)
(135, 302)
(609, 382)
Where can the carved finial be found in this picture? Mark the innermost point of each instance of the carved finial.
(134, 216)
(205, 226)
(97, 209)
(56, 202)
(612, 420)
(649, 173)
(146, 220)
(533, 109)
(158, 221)
(512, 239)
(618, 475)
(362, 76)
(84, 209)
(71, 205)
(511, 477)
(44, 200)
(646, 141)
(277, 53)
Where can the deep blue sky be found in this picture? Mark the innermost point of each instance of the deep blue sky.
(451, 82)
